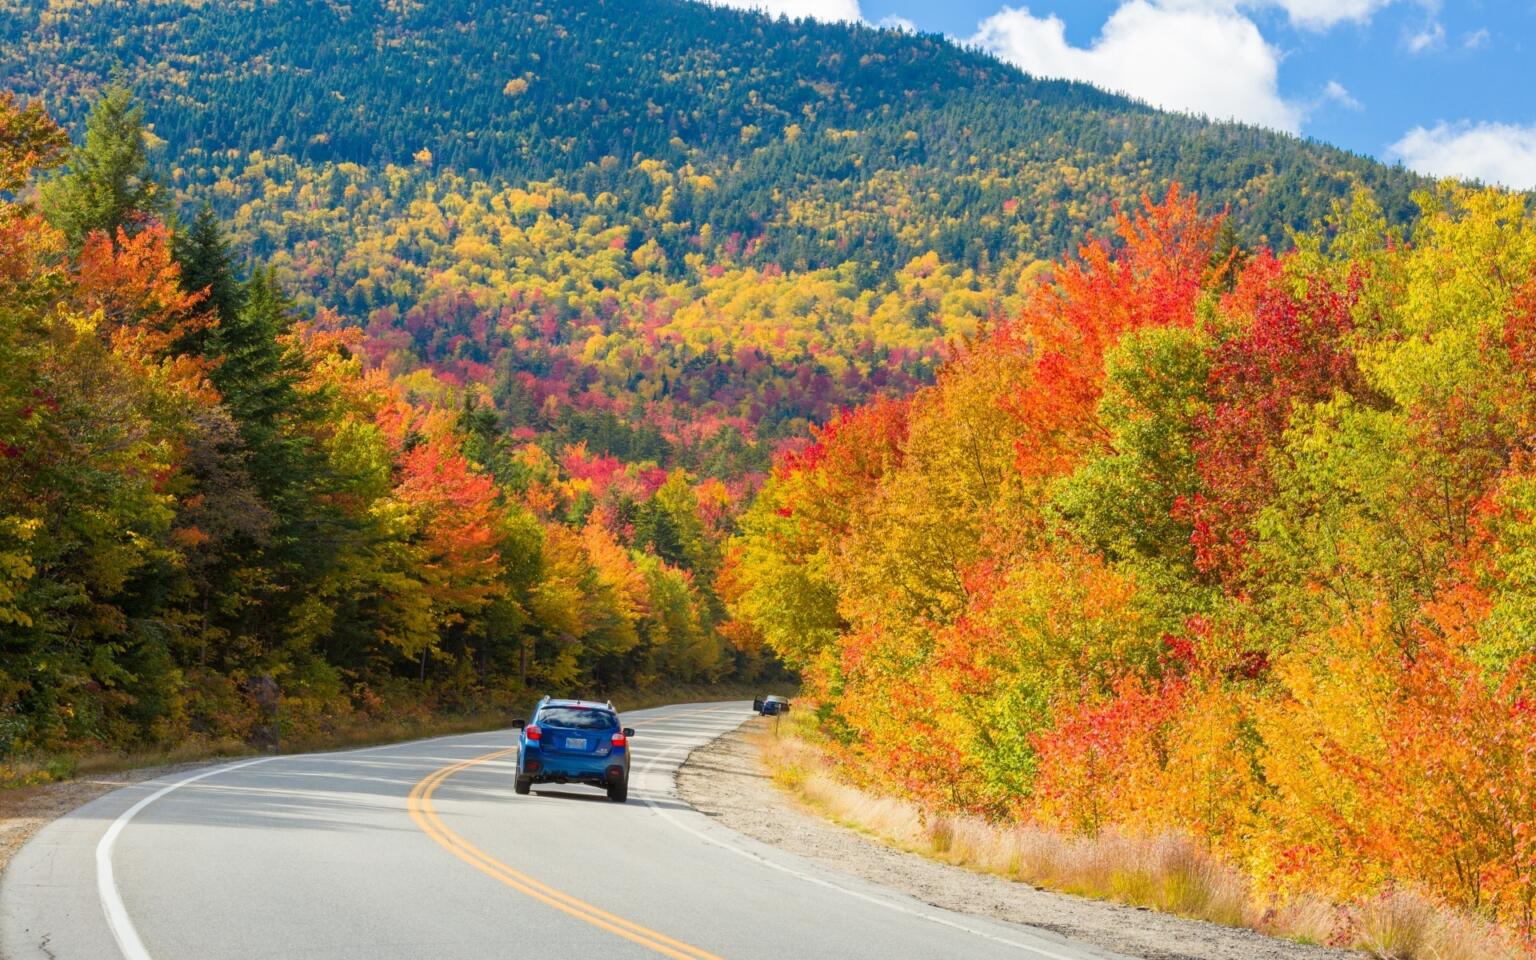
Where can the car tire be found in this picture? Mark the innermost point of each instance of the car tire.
(521, 786)
(618, 792)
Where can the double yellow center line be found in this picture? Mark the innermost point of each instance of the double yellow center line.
(419, 803)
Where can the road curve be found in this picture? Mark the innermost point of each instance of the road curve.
(421, 850)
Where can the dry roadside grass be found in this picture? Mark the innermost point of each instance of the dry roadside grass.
(1170, 873)
(727, 780)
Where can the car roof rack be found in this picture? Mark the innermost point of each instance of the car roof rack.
(578, 702)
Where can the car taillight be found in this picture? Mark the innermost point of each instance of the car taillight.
(532, 732)
(619, 740)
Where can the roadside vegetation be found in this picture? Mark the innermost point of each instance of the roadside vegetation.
(218, 527)
(1210, 543)
(1171, 872)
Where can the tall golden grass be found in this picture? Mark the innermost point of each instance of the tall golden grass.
(1173, 873)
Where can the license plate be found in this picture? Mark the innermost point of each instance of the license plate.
(575, 743)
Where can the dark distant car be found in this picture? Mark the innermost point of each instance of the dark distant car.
(771, 705)
(574, 741)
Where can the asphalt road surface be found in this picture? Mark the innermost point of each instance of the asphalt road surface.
(421, 850)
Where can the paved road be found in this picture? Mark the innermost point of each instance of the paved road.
(421, 850)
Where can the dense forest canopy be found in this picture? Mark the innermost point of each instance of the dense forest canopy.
(673, 231)
(533, 90)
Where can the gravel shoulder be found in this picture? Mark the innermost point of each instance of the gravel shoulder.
(26, 810)
(726, 780)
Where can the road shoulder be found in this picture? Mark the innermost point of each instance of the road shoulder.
(26, 810)
(725, 779)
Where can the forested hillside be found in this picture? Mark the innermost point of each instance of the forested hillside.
(415, 352)
(673, 231)
(1234, 547)
(437, 346)
(206, 496)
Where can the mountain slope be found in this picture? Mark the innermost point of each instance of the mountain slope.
(670, 230)
(535, 89)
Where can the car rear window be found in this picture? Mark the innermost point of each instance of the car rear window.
(577, 718)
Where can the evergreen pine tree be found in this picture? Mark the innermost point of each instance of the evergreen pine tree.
(106, 184)
(655, 528)
(1228, 256)
(257, 377)
(482, 438)
(206, 264)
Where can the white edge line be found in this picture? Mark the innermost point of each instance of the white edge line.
(123, 930)
(819, 881)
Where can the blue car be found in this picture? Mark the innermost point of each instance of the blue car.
(771, 705)
(574, 741)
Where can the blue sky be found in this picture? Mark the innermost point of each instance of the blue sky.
(1444, 86)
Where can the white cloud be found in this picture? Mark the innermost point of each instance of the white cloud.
(828, 10)
(893, 22)
(1194, 55)
(1322, 14)
(1307, 14)
(1476, 40)
(1432, 37)
(1338, 93)
(1500, 153)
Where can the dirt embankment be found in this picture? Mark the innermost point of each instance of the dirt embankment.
(726, 780)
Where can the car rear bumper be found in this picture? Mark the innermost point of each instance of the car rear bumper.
(559, 768)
